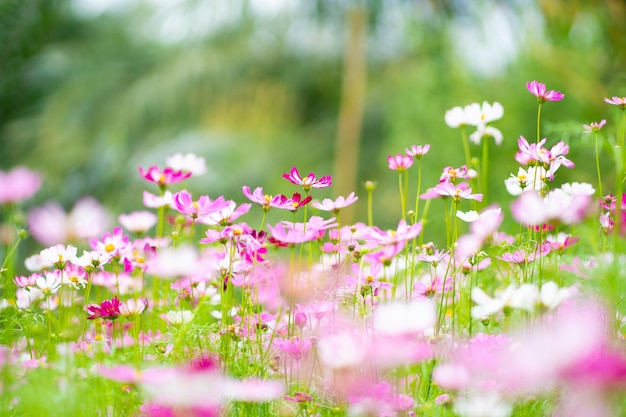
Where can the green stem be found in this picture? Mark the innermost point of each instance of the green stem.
(402, 197)
(598, 167)
(539, 122)
(484, 171)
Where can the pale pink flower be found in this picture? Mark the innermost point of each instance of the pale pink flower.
(417, 151)
(155, 201)
(138, 221)
(399, 162)
(294, 347)
(380, 400)
(399, 318)
(265, 200)
(335, 206)
(173, 263)
(617, 101)
(18, 184)
(539, 90)
(594, 127)
(457, 192)
(568, 207)
(226, 215)
(133, 307)
(50, 224)
(308, 182)
(451, 174)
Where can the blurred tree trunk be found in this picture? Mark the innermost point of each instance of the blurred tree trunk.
(351, 108)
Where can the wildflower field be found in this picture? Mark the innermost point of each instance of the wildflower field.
(184, 309)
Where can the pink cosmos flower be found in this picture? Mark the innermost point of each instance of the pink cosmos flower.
(451, 174)
(285, 234)
(265, 200)
(164, 177)
(18, 185)
(296, 347)
(184, 204)
(457, 192)
(402, 233)
(133, 307)
(380, 400)
(138, 221)
(50, 224)
(594, 126)
(308, 182)
(293, 203)
(108, 310)
(617, 101)
(175, 262)
(225, 215)
(417, 151)
(558, 206)
(539, 90)
(399, 162)
(114, 244)
(335, 206)
(155, 201)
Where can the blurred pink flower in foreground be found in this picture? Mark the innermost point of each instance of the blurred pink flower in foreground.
(18, 184)
(50, 224)
(197, 389)
(569, 350)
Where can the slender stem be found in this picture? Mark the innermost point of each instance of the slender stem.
(598, 167)
(419, 190)
(539, 122)
(485, 171)
(402, 197)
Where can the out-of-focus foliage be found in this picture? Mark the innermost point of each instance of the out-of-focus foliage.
(86, 98)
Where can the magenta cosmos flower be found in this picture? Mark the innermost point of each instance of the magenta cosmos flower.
(617, 101)
(163, 177)
(308, 182)
(17, 185)
(108, 310)
(538, 90)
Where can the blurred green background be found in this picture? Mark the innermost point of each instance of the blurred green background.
(90, 90)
